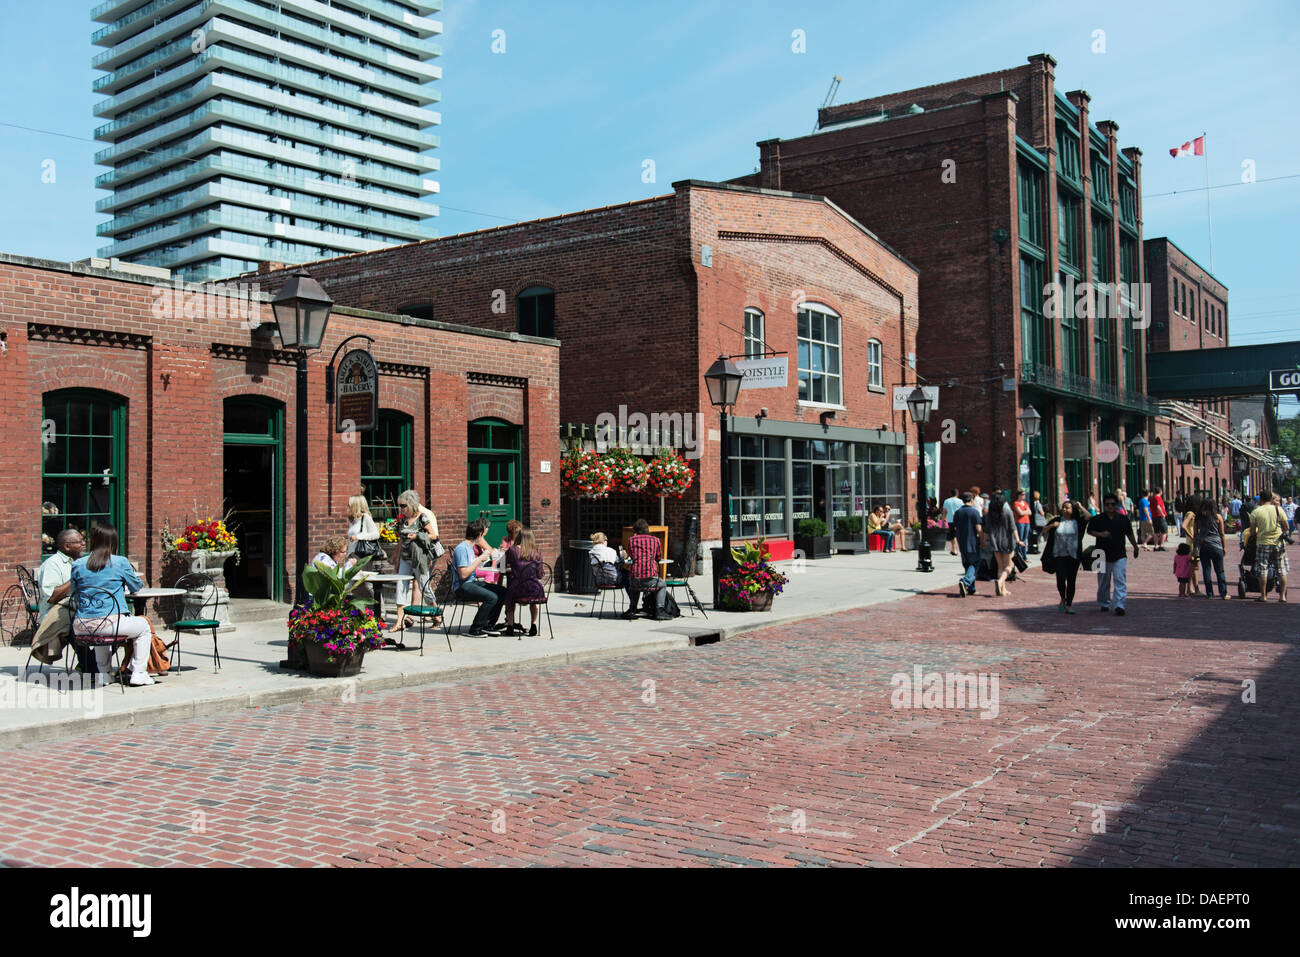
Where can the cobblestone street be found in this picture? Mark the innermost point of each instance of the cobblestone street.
(1116, 741)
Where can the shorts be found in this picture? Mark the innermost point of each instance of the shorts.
(952, 533)
(1271, 561)
(1160, 527)
(1145, 530)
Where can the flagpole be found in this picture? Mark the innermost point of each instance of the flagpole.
(1209, 216)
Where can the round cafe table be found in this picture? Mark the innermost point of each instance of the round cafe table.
(144, 594)
(379, 580)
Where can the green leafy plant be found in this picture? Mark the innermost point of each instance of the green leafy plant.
(813, 528)
(850, 527)
(329, 618)
(329, 587)
(751, 576)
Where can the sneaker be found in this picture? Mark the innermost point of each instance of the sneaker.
(1104, 608)
(140, 680)
(961, 589)
(494, 631)
(476, 633)
(1061, 607)
(1119, 611)
(629, 615)
(1069, 610)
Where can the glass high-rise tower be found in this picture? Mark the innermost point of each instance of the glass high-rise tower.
(245, 130)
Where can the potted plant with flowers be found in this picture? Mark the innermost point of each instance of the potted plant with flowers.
(584, 473)
(752, 581)
(330, 632)
(203, 547)
(936, 531)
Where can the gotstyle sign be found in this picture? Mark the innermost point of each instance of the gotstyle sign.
(1284, 380)
(767, 373)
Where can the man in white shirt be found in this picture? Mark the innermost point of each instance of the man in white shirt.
(54, 581)
(950, 506)
(1288, 508)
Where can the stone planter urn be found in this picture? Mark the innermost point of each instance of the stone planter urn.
(198, 601)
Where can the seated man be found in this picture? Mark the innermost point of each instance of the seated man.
(54, 579)
(469, 587)
(645, 551)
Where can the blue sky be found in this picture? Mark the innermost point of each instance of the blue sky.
(586, 91)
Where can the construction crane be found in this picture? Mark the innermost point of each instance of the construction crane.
(830, 98)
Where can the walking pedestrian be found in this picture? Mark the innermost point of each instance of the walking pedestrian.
(1000, 530)
(977, 500)
(1063, 551)
(969, 525)
(1039, 523)
(1183, 570)
(1159, 514)
(1111, 530)
(1210, 536)
(950, 506)
(1146, 529)
(1187, 530)
(1020, 508)
(1268, 529)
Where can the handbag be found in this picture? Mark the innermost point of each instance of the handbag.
(368, 547)
(1049, 559)
(1020, 563)
(437, 548)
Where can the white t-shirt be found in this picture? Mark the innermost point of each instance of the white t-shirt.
(979, 504)
(603, 553)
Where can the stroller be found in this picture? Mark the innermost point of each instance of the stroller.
(1249, 581)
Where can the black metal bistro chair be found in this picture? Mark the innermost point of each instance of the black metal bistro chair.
(429, 607)
(684, 567)
(104, 632)
(548, 577)
(451, 602)
(20, 607)
(604, 586)
(201, 594)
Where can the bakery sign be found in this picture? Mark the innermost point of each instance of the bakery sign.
(356, 390)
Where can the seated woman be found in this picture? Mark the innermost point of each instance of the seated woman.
(893, 524)
(334, 552)
(607, 569)
(101, 611)
(877, 522)
(524, 565)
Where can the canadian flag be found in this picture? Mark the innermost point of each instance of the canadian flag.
(1194, 147)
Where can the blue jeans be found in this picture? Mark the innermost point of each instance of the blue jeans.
(1115, 573)
(490, 595)
(888, 536)
(1022, 532)
(972, 564)
(1213, 557)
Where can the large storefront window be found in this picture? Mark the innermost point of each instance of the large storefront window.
(386, 463)
(778, 482)
(819, 355)
(83, 458)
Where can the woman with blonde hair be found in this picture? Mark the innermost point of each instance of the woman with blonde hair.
(362, 528)
(420, 549)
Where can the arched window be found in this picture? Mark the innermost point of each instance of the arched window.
(819, 354)
(755, 342)
(536, 312)
(386, 463)
(875, 364)
(83, 456)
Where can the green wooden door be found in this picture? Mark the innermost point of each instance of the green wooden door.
(493, 486)
(253, 491)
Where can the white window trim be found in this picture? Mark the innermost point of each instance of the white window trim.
(828, 311)
(822, 405)
(880, 366)
(762, 340)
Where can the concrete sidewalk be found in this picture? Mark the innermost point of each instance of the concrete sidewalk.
(251, 676)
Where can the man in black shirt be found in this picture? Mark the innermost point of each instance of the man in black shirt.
(1111, 529)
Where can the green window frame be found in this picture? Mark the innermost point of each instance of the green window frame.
(1067, 152)
(1074, 357)
(1030, 188)
(535, 309)
(1103, 325)
(387, 467)
(83, 462)
(1128, 201)
(1130, 342)
(1035, 339)
(1068, 228)
(1100, 179)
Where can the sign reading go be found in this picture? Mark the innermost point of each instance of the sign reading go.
(1284, 380)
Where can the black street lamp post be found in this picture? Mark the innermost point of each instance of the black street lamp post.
(1030, 423)
(302, 310)
(723, 380)
(919, 406)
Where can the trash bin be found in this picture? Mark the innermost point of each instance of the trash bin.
(722, 560)
(581, 580)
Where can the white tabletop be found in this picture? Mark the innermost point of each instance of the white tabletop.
(364, 576)
(157, 592)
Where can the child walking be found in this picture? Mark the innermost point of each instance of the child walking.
(1183, 569)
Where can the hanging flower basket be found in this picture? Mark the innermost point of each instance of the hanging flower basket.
(667, 474)
(628, 472)
(585, 474)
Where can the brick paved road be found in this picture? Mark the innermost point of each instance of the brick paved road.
(780, 748)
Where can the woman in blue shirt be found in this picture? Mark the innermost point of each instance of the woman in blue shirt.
(103, 611)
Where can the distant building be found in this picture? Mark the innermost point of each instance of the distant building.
(1015, 205)
(242, 131)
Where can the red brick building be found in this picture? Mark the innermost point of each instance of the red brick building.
(644, 297)
(1189, 310)
(1002, 189)
(139, 414)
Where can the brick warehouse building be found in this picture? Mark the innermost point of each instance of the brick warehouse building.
(994, 186)
(161, 418)
(645, 295)
(1189, 310)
